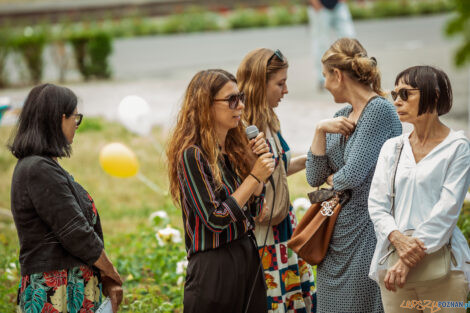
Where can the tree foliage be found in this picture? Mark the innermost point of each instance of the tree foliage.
(459, 25)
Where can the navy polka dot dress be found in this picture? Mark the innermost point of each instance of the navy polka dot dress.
(343, 284)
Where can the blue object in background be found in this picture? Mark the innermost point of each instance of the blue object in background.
(3, 109)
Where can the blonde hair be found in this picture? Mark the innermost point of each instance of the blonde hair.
(195, 126)
(253, 75)
(349, 56)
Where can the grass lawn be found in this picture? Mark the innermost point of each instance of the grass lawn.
(152, 284)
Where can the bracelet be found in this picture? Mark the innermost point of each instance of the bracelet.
(257, 179)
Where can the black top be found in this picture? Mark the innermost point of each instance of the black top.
(53, 217)
(211, 216)
(329, 4)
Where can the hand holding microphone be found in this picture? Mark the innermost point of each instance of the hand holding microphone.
(264, 165)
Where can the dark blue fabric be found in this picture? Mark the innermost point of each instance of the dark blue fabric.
(329, 4)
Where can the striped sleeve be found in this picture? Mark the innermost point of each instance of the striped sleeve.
(257, 203)
(199, 190)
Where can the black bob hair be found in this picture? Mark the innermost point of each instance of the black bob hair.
(39, 128)
(434, 88)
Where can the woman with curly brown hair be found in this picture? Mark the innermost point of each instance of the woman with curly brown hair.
(218, 181)
(343, 154)
(262, 76)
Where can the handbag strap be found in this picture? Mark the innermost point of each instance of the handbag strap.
(398, 150)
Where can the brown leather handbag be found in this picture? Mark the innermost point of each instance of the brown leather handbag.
(312, 235)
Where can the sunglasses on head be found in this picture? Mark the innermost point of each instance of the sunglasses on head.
(403, 93)
(78, 118)
(279, 55)
(233, 100)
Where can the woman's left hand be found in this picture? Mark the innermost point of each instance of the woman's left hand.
(259, 145)
(396, 276)
(112, 290)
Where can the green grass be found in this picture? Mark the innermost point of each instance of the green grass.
(151, 282)
(124, 206)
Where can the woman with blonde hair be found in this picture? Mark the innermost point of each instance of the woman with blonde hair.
(217, 180)
(343, 154)
(262, 76)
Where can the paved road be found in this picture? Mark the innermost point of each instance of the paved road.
(159, 68)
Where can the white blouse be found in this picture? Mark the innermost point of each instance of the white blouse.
(429, 197)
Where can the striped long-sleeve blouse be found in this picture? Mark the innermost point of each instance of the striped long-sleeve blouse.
(212, 217)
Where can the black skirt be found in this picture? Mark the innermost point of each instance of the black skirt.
(220, 280)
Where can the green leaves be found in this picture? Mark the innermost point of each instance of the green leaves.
(75, 296)
(33, 299)
(459, 25)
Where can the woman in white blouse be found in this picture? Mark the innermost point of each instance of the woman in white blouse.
(432, 178)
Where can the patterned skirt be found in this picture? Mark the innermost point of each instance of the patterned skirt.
(289, 279)
(76, 290)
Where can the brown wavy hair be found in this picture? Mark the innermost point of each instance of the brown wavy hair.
(349, 56)
(253, 75)
(195, 126)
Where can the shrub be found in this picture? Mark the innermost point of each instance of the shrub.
(30, 45)
(245, 18)
(464, 221)
(360, 11)
(459, 25)
(92, 50)
(5, 47)
(300, 14)
(192, 20)
(392, 8)
(281, 16)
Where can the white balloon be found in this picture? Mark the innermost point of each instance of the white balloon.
(134, 114)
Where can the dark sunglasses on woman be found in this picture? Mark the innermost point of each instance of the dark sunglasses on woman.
(233, 100)
(403, 93)
(78, 118)
(279, 55)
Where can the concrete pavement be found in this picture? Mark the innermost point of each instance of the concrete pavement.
(159, 69)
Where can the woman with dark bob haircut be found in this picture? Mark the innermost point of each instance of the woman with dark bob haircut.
(64, 267)
(432, 178)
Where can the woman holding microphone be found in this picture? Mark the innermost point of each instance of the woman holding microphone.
(218, 181)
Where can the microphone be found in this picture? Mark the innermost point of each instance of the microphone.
(251, 132)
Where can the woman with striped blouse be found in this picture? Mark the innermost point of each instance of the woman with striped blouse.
(218, 182)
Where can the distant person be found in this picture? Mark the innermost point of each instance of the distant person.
(262, 77)
(343, 154)
(217, 179)
(432, 179)
(328, 20)
(64, 267)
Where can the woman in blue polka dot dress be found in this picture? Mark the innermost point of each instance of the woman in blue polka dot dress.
(343, 154)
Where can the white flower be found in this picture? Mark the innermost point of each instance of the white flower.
(180, 280)
(159, 217)
(181, 266)
(167, 235)
(12, 272)
(301, 203)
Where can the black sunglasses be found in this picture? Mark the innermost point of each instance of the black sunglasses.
(78, 118)
(403, 93)
(233, 100)
(279, 55)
